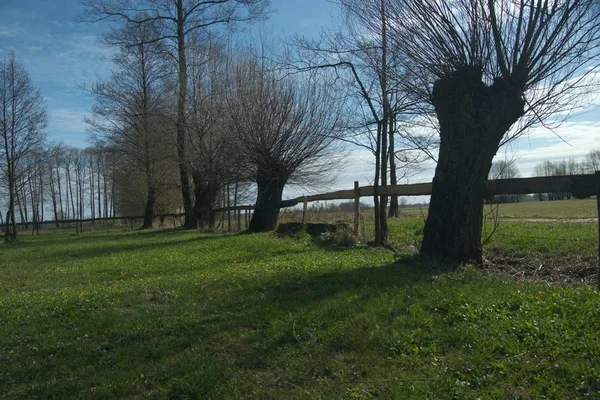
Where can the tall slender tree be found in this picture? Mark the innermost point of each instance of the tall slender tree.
(23, 117)
(360, 52)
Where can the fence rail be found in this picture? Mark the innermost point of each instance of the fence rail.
(580, 186)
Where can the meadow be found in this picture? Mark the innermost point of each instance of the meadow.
(564, 209)
(175, 314)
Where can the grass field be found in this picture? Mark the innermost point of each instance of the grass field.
(563, 209)
(174, 314)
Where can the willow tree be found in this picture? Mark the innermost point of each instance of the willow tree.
(285, 127)
(496, 67)
(178, 21)
(212, 155)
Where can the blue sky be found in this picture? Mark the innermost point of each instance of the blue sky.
(60, 53)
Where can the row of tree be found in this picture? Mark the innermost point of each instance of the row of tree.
(588, 165)
(226, 115)
(507, 169)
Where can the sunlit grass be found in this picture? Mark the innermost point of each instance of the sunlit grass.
(173, 314)
(562, 209)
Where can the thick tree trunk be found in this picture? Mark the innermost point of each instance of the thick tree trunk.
(149, 208)
(205, 194)
(473, 119)
(266, 211)
(10, 231)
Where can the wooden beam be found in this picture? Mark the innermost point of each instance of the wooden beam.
(580, 186)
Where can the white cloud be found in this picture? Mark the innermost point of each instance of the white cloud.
(578, 138)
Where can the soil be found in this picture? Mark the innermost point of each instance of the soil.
(551, 269)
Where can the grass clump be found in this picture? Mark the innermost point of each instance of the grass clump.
(343, 237)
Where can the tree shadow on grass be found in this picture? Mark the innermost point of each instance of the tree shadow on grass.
(406, 270)
(248, 327)
(101, 247)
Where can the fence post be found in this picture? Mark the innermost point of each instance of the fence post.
(597, 174)
(304, 209)
(356, 207)
(131, 223)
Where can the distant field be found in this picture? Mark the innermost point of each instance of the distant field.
(174, 314)
(534, 209)
(553, 237)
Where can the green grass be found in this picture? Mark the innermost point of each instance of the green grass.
(550, 209)
(172, 314)
(522, 236)
(563, 209)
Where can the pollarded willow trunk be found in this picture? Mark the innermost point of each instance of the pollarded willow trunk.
(473, 119)
(266, 211)
(205, 194)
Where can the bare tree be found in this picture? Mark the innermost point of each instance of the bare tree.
(591, 163)
(504, 169)
(212, 157)
(23, 118)
(359, 51)
(496, 67)
(128, 113)
(178, 20)
(285, 127)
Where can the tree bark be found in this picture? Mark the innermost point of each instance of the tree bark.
(394, 209)
(53, 195)
(149, 208)
(473, 119)
(376, 209)
(10, 231)
(62, 213)
(186, 194)
(385, 124)
(266, 211)
(205, 194)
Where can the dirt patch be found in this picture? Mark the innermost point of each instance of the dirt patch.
(552, 269)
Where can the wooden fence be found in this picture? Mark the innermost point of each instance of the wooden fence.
(579, 186)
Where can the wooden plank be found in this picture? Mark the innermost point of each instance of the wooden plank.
(337, 195)
(236, 208)
(580, 186)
